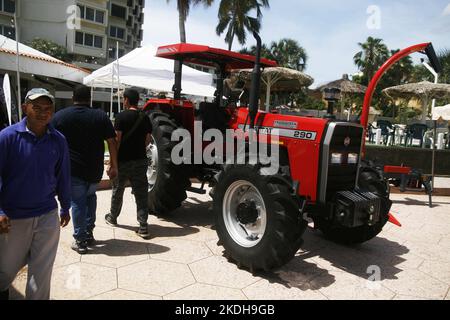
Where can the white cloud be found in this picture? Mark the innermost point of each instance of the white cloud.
(446, 11)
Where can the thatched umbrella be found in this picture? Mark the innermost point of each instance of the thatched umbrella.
(423, 91)
(347, 87)
(276, 79)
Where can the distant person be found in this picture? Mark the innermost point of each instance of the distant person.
(34, 168)
(133, 129)
(86, 130)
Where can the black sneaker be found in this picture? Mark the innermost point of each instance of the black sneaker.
(110, 220)
(80, 247)
(90, 240)
(143, 232)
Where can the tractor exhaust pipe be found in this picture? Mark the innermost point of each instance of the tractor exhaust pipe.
(178, 70)
(256, 83)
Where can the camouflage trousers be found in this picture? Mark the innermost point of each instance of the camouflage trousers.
(136, 173)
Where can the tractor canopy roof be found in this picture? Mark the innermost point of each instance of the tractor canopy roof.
(207, 56)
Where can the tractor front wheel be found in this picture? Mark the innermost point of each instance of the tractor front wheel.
(257, 218)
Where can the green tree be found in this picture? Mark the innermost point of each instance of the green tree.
(372, 56)
(401, 72)
(51, 48)
(288, 53)
(305, 101)
(420, 73)
(184, 7)
(234, 17)
(265, 51)
(444, 58)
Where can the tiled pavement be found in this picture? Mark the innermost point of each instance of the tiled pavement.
(182, 260)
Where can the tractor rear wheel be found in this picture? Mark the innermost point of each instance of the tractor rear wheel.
(370, 179)
(167, 182)
(257, 218)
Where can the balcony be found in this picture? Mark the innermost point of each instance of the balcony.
(7, 7)
(130, 3)
(130, 21)
(141, 18)
(118, 11)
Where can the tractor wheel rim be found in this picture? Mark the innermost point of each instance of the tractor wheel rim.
(152, 171)
(250, 234)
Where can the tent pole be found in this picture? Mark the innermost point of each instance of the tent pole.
(112, 95)
(19, 98)
(433, 105)
(118, 77)
(434, 156)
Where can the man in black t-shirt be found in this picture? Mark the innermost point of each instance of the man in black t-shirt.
(86, 130)
(133, 129)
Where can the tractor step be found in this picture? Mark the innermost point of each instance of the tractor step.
(200, 190)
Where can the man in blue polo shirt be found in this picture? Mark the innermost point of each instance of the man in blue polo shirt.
(34, 168)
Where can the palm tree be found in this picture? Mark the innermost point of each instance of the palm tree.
(422, 74)
(374, 53)
(184, 7)
(265, 51)
(444, 58)
(288, 53)
(234, 16)
(400, 73)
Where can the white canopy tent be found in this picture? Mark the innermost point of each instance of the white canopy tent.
(35, 62)
(140, 68)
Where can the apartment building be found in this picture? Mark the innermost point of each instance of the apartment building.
(7, 9)
(92, 38)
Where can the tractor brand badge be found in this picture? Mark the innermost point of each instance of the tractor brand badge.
(347, 141)
(287, 133)
(285, 124)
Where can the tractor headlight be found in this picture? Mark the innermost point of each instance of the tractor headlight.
(352, 158)
(336, 158)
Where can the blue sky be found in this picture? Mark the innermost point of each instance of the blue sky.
(328, 30)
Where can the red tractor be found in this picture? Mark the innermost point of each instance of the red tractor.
(260, 218)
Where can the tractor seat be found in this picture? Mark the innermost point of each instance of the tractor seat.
(213, 116)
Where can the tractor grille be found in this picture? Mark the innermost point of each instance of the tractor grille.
(340, 177)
